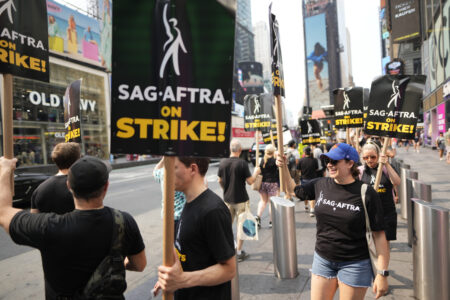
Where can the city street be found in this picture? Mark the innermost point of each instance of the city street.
(134, 190)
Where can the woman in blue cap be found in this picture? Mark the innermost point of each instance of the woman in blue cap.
(341, 256)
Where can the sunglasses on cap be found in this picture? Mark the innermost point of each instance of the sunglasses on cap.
(369, 156)
(328, 160)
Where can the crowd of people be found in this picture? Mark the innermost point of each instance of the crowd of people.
(337, 189)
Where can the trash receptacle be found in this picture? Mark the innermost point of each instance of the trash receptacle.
(415, 189)
(284, 238)
(431, 256)
(404, 173)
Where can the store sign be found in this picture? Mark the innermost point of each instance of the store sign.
(171, 93)
(23, 39)
(394, 106)
(441, 117)
(54, 100)
(348, 107)
(405, 19)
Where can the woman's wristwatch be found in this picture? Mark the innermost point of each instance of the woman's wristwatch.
(384, 273)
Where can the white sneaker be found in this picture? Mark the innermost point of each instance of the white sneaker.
(441, 158)
(311, 212)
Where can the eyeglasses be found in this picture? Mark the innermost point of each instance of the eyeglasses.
(330, 161)
(370, 156)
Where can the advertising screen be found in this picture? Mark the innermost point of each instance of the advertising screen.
(317, 60)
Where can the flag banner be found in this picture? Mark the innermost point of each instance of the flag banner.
(258, 113)
(277, 61)
(72, 116)
(348, 107)
(310, 132)
(172, 79)
(24, 39)
(394, 105)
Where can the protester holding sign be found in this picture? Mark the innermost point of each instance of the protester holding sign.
(74, 245)
(389, 179)
(205, 260)
(341, 258)
(270, 182)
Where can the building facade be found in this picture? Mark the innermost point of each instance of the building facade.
(262, 51)
(38, 111)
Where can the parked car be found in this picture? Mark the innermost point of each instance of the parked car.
(24, 186)
(252, 152)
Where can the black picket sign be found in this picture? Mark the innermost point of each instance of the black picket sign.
(258, 113)
(348, 107)
(72, 116)
(172, 77)
(394, 105)
(24, 41)
(310, 132)
(277, 61)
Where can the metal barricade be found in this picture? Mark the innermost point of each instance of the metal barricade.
(431, 256)
(284, 238)
(405, 173)
(415, 189)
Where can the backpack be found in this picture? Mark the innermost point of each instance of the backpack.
(108, 280)
(292, 162)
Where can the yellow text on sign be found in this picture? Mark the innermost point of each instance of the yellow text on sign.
(8, 55)
(402, 128)
(72, 134)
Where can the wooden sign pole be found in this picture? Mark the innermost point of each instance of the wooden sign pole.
(271, 138)
(257, 148)
(7, 109)
(279, 117)
(347, 133)
(380, 165)
(168, 226)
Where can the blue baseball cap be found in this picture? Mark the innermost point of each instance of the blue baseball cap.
(342, 151)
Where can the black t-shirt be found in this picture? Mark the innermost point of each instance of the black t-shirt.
(308, 167)
(204, 238)
(72, 245)
(384, 189)
(53, 196)
(234, 171)
(269, 171)
(341, 225)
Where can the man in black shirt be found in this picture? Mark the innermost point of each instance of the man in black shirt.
(71, 245)
(204, 244)
(233, 174)
(308, 166)
(53, 195)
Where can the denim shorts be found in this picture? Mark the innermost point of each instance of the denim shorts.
(353, 273)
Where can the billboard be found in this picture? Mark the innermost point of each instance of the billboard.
(317, 61)
(78, 35)
(405, 20)
(250, 76)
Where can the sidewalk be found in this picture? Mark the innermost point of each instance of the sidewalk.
(256, 274)
(431, 171)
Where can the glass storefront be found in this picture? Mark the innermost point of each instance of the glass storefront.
(38, 113)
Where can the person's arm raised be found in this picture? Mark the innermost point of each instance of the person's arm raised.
(7, 212)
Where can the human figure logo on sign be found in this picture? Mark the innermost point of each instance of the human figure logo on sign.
(175, 44)
(7, 7)
(395, 95)
(346, 101)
